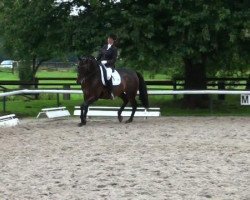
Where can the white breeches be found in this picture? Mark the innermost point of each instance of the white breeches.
(109, 73)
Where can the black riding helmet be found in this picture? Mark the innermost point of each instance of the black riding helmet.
(113, 37)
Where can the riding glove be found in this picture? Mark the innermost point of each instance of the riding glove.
(104, 62)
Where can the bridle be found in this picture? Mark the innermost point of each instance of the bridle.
(84, 78)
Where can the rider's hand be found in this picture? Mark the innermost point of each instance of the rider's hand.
(104, 62)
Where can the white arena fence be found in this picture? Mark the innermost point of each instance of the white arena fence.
(10, 120)
(150, 92)
(246, 93)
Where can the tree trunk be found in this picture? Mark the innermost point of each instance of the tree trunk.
(195, 79)
(33, 68)
(35, 65)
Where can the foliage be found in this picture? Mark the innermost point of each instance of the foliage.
(217, 31)
(169, 36)
(152, 34)
(33, 30)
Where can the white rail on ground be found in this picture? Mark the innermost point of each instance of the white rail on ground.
(106, 111)
(8, 120)
(54, 112)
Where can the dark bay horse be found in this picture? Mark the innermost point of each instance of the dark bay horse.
(89, 76)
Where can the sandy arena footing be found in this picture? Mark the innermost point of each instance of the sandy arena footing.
(154, 159)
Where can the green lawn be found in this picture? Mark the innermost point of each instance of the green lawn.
(6, 74)
(30, 108)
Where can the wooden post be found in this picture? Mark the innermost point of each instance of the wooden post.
(66, 96)
(58, 99)
(221, 86)
(174, 88)
(248, 84)
(36, 87)
(4, 104)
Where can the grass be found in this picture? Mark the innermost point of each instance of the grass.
(169, 106)
(5, 74)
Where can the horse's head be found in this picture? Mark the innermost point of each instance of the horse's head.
(86, 68)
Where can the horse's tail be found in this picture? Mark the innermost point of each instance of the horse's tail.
(143, 93)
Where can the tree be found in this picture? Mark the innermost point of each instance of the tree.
(203, 33)
(92, 24)
(33, 31)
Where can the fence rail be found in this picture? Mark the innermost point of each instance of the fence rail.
(150, 92)
(69, 83)
(220, 83)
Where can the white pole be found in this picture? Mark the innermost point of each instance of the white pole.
(150, 92)
(5, 94)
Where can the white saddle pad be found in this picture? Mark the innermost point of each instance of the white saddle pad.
(116, 78)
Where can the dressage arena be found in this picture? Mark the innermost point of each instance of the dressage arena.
(158, 158)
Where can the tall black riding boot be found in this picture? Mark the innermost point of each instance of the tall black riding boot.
(109, 85)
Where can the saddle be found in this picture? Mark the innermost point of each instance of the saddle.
(107, 73)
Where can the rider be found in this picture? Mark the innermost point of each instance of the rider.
(107, 56)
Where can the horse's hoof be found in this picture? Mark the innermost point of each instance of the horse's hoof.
(128, 121)
(120, 118)
(81, 124)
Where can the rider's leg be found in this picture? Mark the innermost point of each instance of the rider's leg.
(109, 85)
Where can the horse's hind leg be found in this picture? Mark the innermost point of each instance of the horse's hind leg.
(134, 107)
(124, 97)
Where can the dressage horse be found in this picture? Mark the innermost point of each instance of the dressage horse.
(89, 76)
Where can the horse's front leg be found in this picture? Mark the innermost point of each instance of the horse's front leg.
(84, 110)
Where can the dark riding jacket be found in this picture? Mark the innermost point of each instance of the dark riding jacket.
(108, 54)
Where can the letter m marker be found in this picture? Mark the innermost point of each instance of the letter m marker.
(245, 99)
